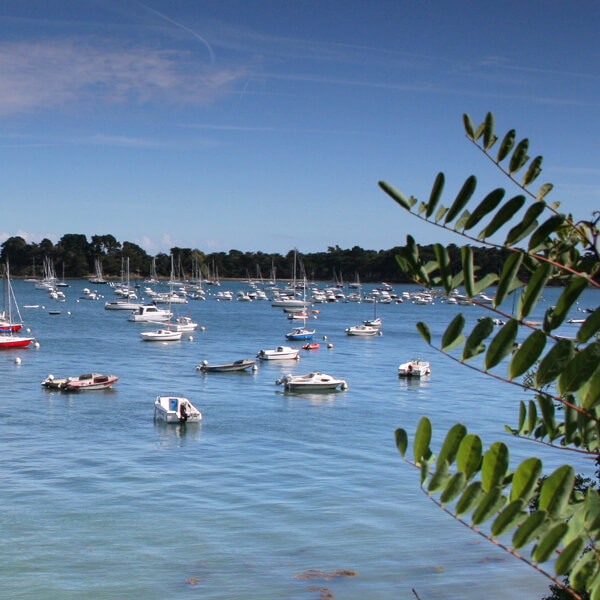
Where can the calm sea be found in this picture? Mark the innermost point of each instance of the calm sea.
(273, 495)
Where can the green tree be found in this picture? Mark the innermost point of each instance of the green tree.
(559, 537)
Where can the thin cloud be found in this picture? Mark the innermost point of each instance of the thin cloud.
(56, 73)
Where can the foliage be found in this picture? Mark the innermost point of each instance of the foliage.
(559, 536)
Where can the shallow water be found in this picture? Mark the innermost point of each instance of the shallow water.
(99, 501)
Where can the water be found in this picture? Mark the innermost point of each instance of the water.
(99, 501)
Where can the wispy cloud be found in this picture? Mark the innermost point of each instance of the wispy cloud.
(56, 73)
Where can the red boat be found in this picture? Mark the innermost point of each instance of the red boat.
(311, 346)
(14, 341)
(6, 327)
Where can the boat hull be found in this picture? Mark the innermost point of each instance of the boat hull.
(11, 341)
(238, 365)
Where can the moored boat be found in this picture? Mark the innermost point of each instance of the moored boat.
(362, 330)
(87, 382)
(176, 409)
(161, 335)
(280, 353)
(314, 381)
(414, 368)
(238, 365)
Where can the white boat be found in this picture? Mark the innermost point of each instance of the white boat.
(362, 330)
(87, 382)
(148, 313)
(161, 335)
(182, 324)
(313, 381)
(238, 365)
(414, 368)
(176, 409)
(280, 353)
(98, 277)
(122, 305)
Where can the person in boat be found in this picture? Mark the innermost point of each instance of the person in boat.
(409, 368)
(183, 416)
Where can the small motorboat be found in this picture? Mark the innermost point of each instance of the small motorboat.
(238, 365)
(414, 368)
(311, 346)
(182, 324)
(280, 353)
(300, 333)
(176, 409)
(148, 313)
(161, 335)
(314, 381)
(89, 381)
(362, 330)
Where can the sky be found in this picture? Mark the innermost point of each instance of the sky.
(266, 125)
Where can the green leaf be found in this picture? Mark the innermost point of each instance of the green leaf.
(541, 234)
(451, 444)
(510, 517)
(519, 157)
(532, 417)
(484, 283)
(473, 345)
(494, 466)
(568, 557)
(501, 345)
(436, 193)
(592, 512)
(507, 277)
(489, 505)
(550, 542)
(469, 498)
(443, 261)
(565, 302)
(424, 330)
(439, 479)
(487, 205)
(469, 127)
(454, 487)
(533, 526)
(579, 369)
(529, 351)
(401, 440)
(398, 196)
(544, 191)
(554, 362)
(591, 392)
(547, 409)
(453, 336)
(525, 479)
(459, 225)
(422, 440)
(535, 168)
(556, 491)
(590, 326)
(584, 571)
(468, 458)
(507, 145)
(506, 212)
(526, 226)
(522, 417)
(467, 265)
(440, 212)
(532, 292)
(464, 195)
(488, 131)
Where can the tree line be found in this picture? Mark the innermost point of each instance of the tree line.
(74, 256)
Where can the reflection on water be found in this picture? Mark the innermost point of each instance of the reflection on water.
(173, 433)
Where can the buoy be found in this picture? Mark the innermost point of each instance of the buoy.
(202, 328)
(68, 312)
(36, 344)
(254, 368)
(28, 330)
(191, 338)
(324, 337)
(344, 386)
(330, 345)
(17, 360)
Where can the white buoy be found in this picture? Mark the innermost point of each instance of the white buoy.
(68, 312)
(324, 337)
(17, 360)
(28, 330)
(330, 345)
(254, 368)
(202, 328)
(36, 344)
(191, 338)
(344, 386)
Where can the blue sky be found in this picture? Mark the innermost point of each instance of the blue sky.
(266, 125)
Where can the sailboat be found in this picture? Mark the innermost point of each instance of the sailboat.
(8, 339)
(98, 277)
(369, 328)
(301, 333)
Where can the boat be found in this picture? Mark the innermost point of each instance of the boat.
(8, 339)
(238, 365)
(87, 382)
(98, 277)
(311, 346)
(122, 305)
(375, 321)
(176, 409)
(280, 353)
(149, 313)
(300, 333)
(161, 335)
(414, 368)
(362, 330)
(312, 381)
(182, 324)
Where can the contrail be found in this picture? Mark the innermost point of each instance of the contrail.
(181, 26)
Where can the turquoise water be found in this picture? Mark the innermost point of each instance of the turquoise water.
(99, 501)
